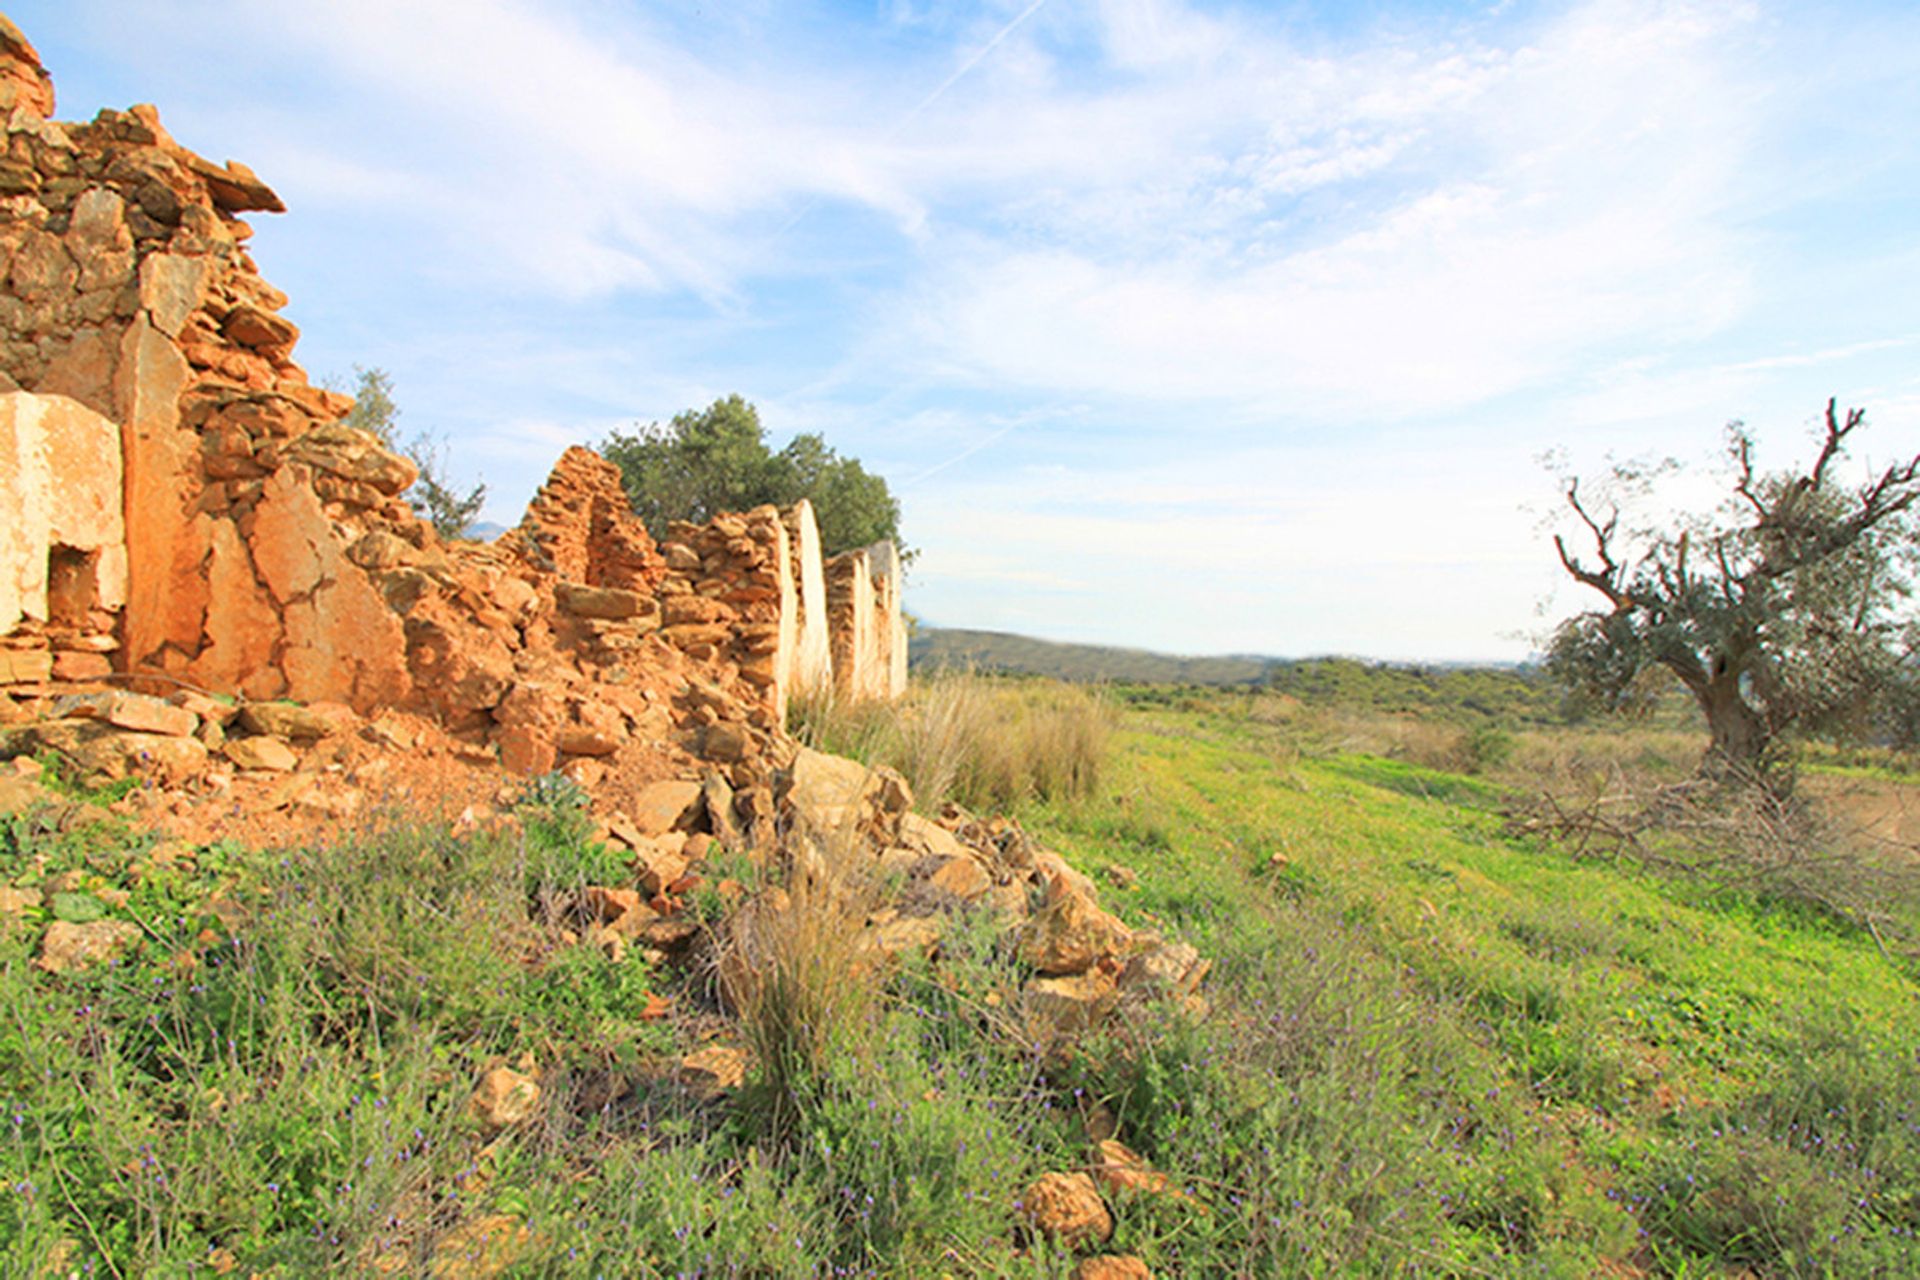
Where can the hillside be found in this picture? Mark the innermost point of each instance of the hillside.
(937, 647)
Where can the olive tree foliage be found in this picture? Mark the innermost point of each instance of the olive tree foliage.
(706, 461)
(450, 512)
(1785, 612)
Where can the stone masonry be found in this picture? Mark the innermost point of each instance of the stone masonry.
(182, 508)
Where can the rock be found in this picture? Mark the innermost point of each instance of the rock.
(662, 806)
(1072, 933)
(78, 667)
(296, 723)
(172, 286)
(1120, 1168)
(135, 711)
(252, 326)
(101, 752)
(25, 666)
(826, 791)
(962, 876)
(19, 794)
(898, 936)
(479, 1249)
(727, 741)
(261, 753)
(526, 750)
(620, 910)
(710, 1072)
(923, 835)
(68, 946)
(209, 710)
(1161, 969)
(504, 1098)
(657, 867)
(601, 602)
(1064, 1007)
(14, 902)
(1067, 1208)
(1123, 877)
(1112, 1266)
(721, 820)
(585, 740)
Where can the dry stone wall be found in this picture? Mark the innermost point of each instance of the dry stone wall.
(184, 509)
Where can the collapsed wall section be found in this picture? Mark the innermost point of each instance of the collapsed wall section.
(130, 290)
(251, 543)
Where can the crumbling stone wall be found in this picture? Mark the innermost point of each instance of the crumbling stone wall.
(888, 677)
(867, 632)
(267, 548)
(812, 662)
(130, 290)
(729, 601)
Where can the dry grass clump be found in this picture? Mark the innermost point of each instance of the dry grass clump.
(793, 967)
(984, 742)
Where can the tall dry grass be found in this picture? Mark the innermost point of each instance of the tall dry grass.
(793, 967)
(983, 742)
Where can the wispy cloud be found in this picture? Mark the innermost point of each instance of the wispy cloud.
(1260, 314)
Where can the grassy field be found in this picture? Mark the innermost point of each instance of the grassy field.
(1433, 1048)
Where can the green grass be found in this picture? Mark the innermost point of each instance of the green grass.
(1432, 1050)
(1713, 1079)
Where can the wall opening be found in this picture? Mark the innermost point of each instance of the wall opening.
(73, 585)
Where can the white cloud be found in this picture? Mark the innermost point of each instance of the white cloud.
(1525, 208)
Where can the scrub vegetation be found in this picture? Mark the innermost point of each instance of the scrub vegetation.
(1440, 1042)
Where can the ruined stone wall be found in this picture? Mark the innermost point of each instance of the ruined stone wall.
(728, 602)
(888, 675)
(264, 549)
(850, 622)
(812, 665)
(130, 290)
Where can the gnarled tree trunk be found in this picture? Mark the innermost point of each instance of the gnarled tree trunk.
(1739, 736)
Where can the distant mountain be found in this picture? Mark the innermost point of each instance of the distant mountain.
(485, 530)
(934, 647)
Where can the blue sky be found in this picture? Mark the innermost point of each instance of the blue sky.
(1207, 328)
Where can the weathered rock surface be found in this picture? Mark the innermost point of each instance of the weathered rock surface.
(69, 946)
(504, 1098)
(1067, 1207)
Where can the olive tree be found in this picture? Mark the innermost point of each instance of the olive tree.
(1785, 611)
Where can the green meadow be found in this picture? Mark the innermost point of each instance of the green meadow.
(1432, 1047)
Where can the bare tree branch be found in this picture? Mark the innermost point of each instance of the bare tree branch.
(1607, 580)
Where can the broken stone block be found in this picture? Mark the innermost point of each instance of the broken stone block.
(504, 1098)
(136, 711)
(69, 946)
(1067, 1207)
(662, 806)
(270, 754)
(1064, 1007)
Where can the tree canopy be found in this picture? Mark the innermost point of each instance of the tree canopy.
(1786, 611)
(716, 459)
